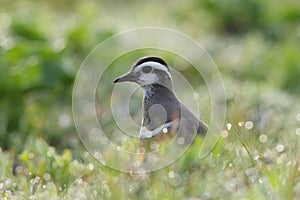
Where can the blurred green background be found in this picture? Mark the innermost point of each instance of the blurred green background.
(255, 44)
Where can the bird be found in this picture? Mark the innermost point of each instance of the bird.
(163, 112)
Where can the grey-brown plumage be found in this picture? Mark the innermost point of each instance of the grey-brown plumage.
(162, 111)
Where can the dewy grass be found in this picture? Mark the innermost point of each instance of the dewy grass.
(256, 46)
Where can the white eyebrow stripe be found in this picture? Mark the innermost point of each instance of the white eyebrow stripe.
(145, 133)
(154, 65)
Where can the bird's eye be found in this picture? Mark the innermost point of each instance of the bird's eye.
(147, 69)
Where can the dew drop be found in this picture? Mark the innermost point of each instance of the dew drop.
(241, 124)
(263, 138)
(229, 126)
(279, 148)
(175, 179)
(171, 174)
(8, 193)
(267, 154)
(36, 180)
(31, 155)
(298, 131)
(47, 177)
(51, 152)
(165, 130)
(249, 125)
(180, 140)
(90, 166)
(224, 133)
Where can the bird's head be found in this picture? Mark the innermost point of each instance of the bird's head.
(148, 71)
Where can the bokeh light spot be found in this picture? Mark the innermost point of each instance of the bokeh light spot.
(229, 126)
(263, 138)
(47, 177)
(298, 131)
(249, 125)
(5, 20)
(165, 130)
(180, 140)
(280, 148)
(224, 133)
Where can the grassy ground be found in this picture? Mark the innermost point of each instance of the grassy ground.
(256, 47)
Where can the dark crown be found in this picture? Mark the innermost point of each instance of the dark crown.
(150, 59)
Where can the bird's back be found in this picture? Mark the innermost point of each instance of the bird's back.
(192, 120)
(164, 107)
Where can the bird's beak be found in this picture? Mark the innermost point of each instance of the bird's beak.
(126, 77)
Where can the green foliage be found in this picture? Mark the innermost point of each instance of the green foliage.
(41, 160)
(235, 16)
(255, 44)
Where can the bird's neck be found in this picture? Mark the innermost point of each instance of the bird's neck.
(157, 94)
(152, 90)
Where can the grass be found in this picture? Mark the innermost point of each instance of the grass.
(255, 46)
(241, 165)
